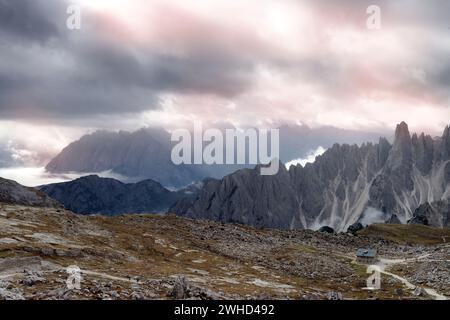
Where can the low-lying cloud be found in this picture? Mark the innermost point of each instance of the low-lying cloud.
(371, 216)
(310, 158)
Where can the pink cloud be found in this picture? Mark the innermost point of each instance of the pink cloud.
(309, 61)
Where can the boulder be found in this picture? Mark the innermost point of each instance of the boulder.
(419, 219)
(180, 289)
(326, 229)
(420, 292)
(354, 228)
(334, 295)
(7, 292)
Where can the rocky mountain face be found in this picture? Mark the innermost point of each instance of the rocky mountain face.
(146, 154)
(95, 195)
(347, 184)
(13, 193)
(435, 214)
(142, 154)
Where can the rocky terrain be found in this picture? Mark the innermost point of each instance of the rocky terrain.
(347, 184)
(170, 257)
(92, 194)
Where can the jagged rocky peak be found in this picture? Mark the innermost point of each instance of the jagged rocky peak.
(401, 152)
(338, 188)
(446, 134)
(402, 131)
(247, 197)
(400, 160)
(445, 143)
(423, 151)
(383, 150)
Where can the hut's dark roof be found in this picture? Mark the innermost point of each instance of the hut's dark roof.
(366, 253)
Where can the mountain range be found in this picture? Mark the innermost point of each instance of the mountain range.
(172, 257)
(407, 181)
(146, 153)
(95, 195)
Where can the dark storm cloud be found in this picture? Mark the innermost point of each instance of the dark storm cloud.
(79, 73)
(48, 71)
(26, 20)
(200, 72)
(107, 80)
(6, 159)
(9, 83)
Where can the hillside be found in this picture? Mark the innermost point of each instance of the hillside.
(408, 234)
(166, 257)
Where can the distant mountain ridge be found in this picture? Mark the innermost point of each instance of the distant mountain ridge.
(346, 184)
(95, 195)
(145, 154)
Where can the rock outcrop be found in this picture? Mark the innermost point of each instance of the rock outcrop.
(354, 228)
(326, 229)
(13, 193)
(393, 219)
(436, 214)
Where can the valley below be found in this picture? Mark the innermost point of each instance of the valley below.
(170, 257)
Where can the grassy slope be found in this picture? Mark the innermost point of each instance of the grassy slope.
(408, 234)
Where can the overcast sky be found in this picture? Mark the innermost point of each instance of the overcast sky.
(136, 63)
